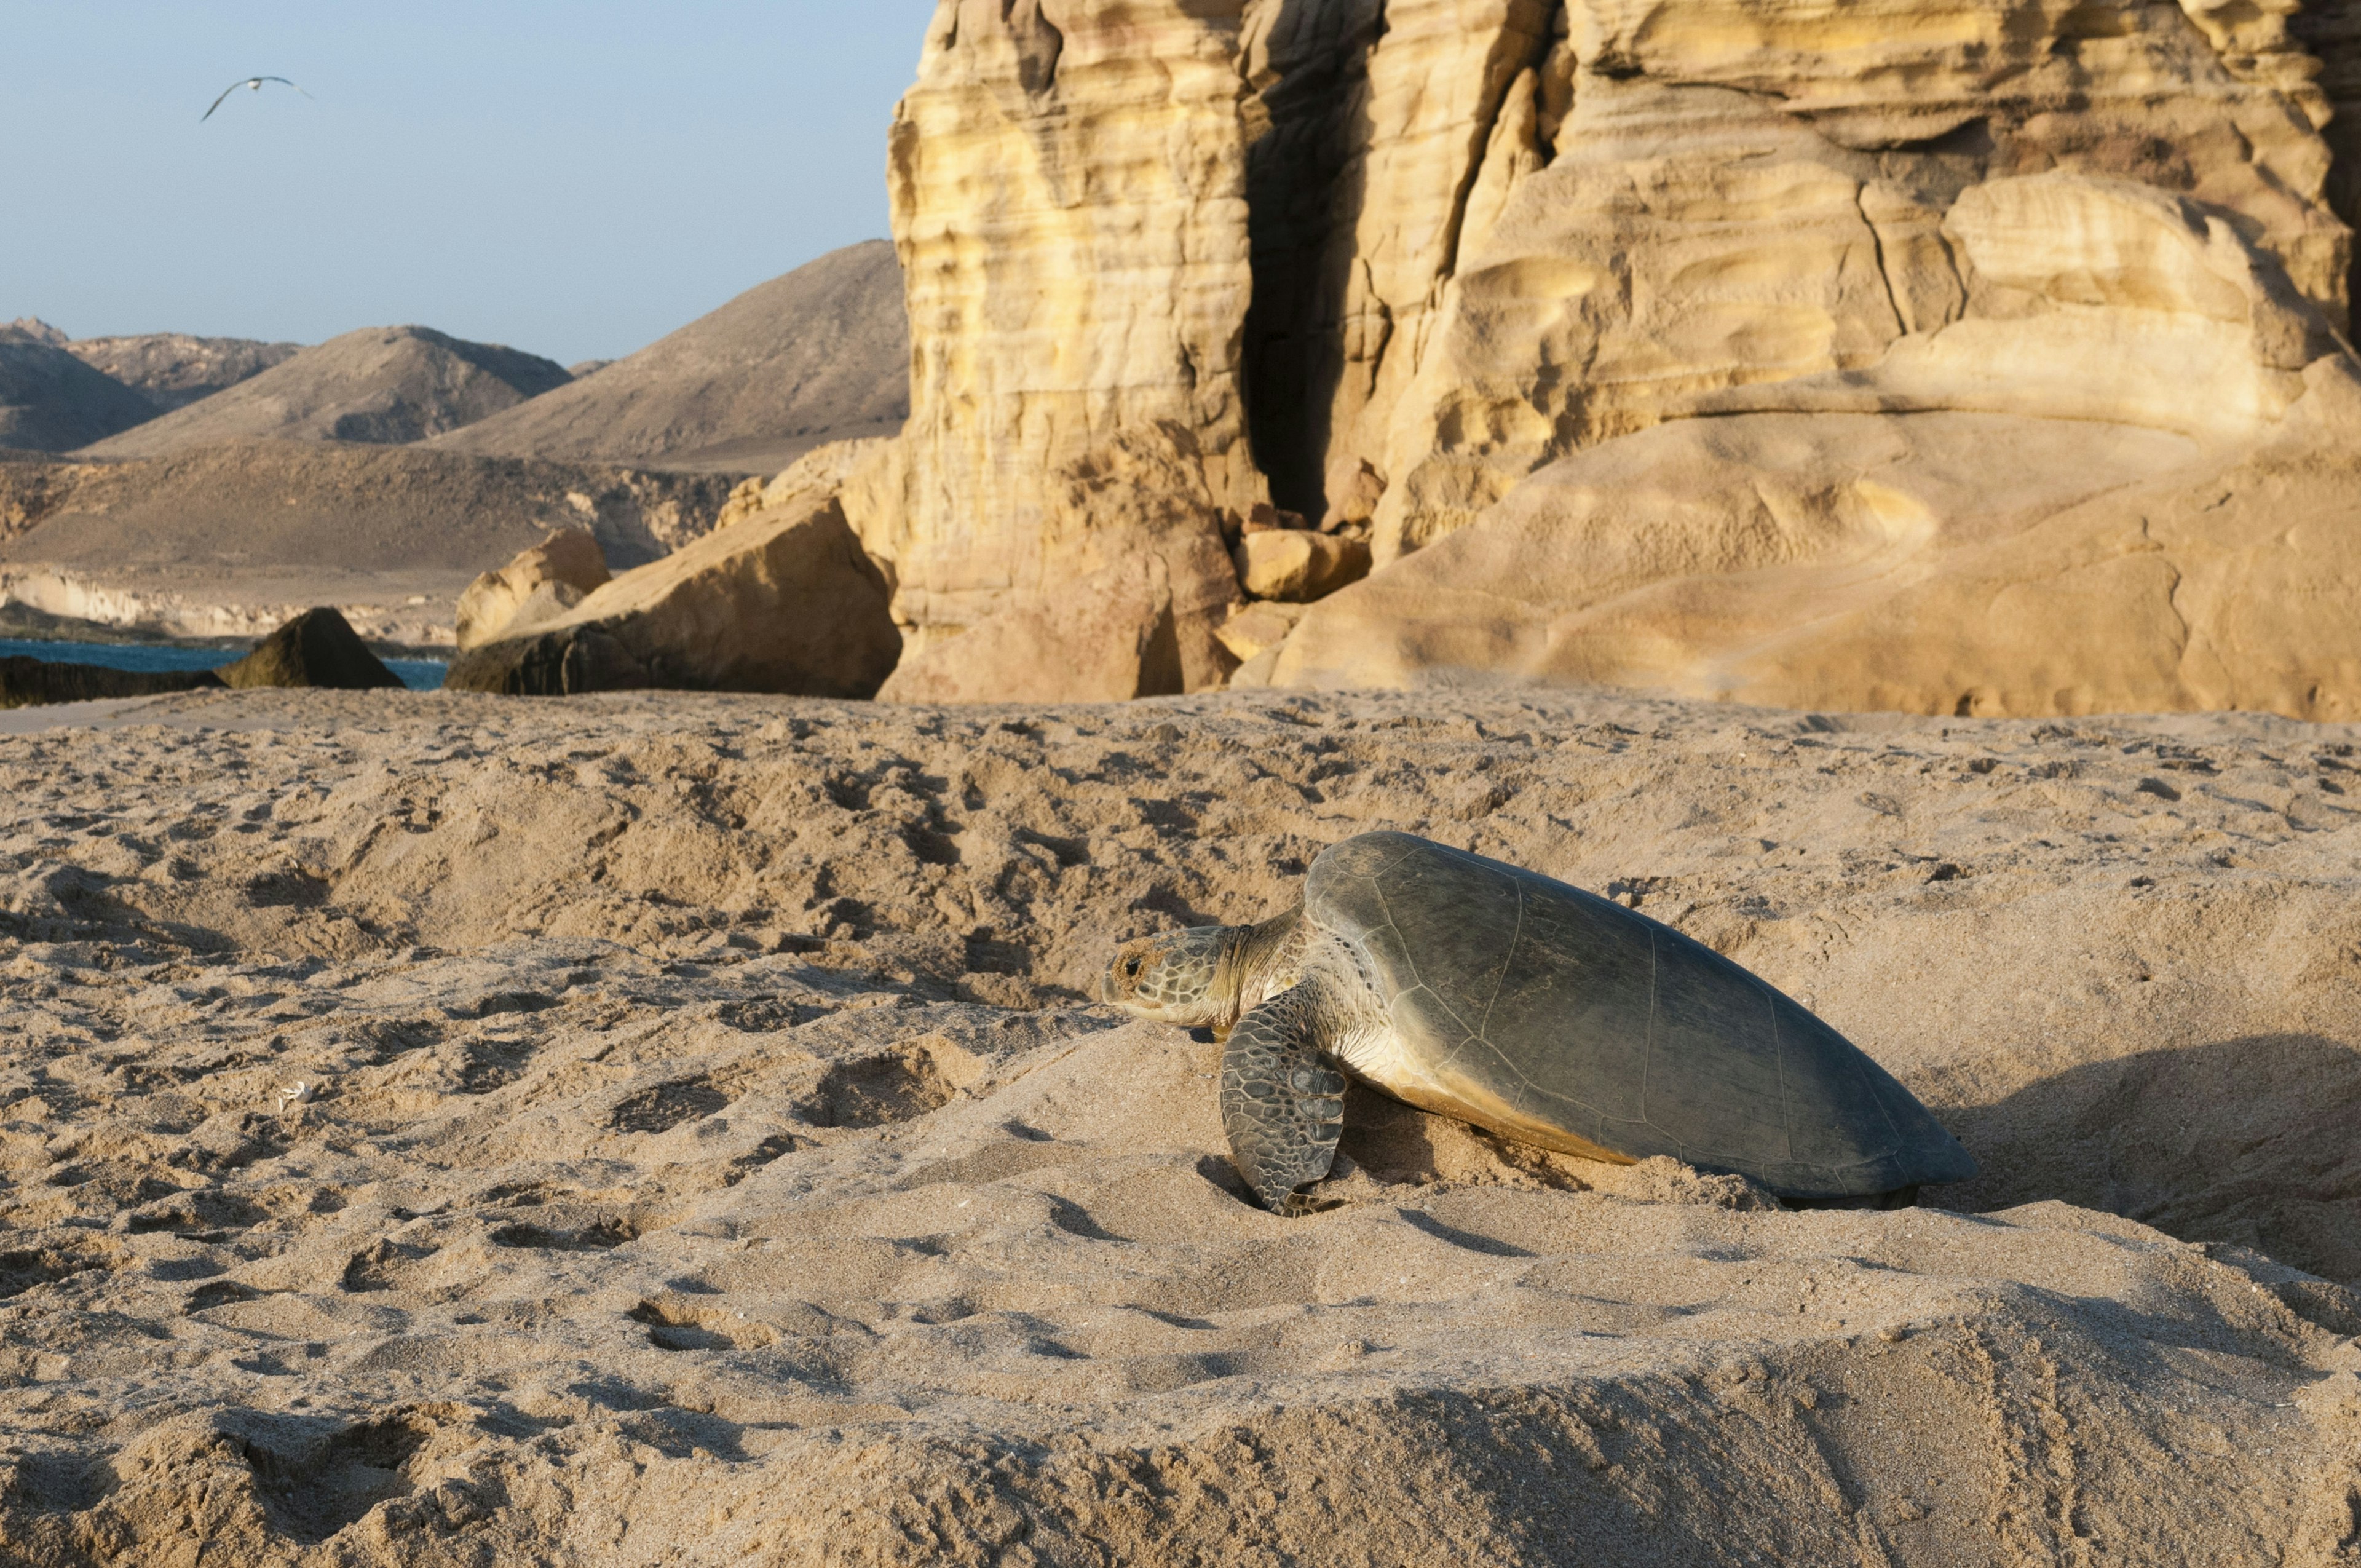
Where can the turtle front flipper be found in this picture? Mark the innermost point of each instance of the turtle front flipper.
(1282, 1106)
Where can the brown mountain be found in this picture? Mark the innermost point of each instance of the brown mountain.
(820, 355)
(173, 370)
(333, 506)
(380, 385)
(51, 401)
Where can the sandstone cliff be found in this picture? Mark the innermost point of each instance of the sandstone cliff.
(1069, 198)
(1755, 348)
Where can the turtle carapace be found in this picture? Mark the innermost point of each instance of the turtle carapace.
(1544, 1013)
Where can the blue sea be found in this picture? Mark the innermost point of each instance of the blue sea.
(418, 674)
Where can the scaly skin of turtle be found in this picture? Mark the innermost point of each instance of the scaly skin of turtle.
(1282, 1104)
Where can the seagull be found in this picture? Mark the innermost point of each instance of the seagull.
(252, 82)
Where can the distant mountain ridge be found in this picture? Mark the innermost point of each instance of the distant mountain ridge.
(382, 386)
(173, 370)
(819, 355)
(33, 329)
(51, 401)
(333, 506)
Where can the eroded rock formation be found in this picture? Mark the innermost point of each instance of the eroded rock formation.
(1742, 193)
(1069, 195)
(1749, 348)
(539, 584)
(783, 600)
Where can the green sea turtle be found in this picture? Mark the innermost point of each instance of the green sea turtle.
(1545, 1014)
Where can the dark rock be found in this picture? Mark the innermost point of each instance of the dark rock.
(318, 648)
(563, 662)
(30, 682)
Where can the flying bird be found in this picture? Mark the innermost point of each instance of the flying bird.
(252, 82)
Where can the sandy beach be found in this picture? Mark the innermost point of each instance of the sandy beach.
(673, 1128)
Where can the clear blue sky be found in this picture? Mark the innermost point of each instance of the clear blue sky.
(575, 178)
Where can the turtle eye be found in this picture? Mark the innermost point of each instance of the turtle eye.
(1131, 967)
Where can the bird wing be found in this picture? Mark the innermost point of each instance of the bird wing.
(254, 81)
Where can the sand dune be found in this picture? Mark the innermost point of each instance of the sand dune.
(820, 355)
(705, 1156)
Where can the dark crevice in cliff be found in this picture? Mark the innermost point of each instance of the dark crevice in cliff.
(2333, 33)
(1308, 128)
(1309, 132)
(1038, 44)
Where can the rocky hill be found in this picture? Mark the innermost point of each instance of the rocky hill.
(380, 385)
(223, 540)
(820, 355)
(172, 370)
(351, 507)
(51, 401)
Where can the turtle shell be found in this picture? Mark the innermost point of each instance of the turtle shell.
(1556, 1016)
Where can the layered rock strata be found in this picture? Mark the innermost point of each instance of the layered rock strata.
(1407, 256)
(1993, 397)
(1069, 198)
(1741, 194)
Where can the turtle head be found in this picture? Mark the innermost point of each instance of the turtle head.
(1204, 977)
(1177, 977)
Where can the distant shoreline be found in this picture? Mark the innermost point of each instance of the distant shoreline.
(22, 622)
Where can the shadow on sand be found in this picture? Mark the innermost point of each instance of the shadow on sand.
(2255, 1142)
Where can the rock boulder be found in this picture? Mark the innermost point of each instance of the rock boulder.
(540, 584)
(1109, 638)
(781, 602)
(30, 683)
(1297, 564)
(318, 648)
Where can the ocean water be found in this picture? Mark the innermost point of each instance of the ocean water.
(418, 674)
